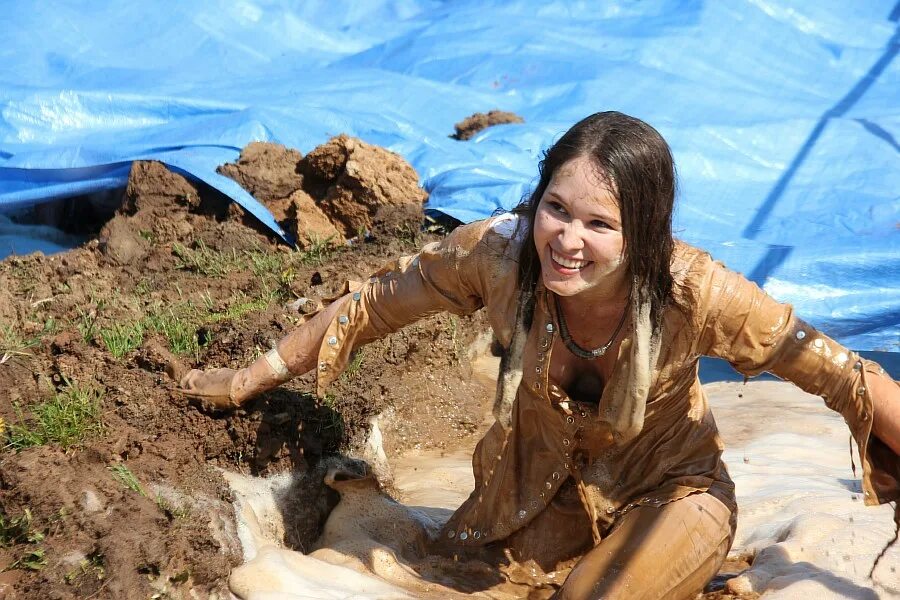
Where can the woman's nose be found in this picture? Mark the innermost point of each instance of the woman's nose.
(570, 237)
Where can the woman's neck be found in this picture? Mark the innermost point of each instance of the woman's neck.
(597, 302)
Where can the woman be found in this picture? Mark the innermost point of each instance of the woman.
(604, 450)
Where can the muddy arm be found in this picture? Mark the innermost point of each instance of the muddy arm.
(742, 324)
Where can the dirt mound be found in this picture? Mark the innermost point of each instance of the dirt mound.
(109, 485)
(341, 189)
(471, 125)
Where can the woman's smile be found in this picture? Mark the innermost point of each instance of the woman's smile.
(566, 265)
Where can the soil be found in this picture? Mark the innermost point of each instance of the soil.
(138, 508)
(345, 188)
(203, 282)
(472, 124)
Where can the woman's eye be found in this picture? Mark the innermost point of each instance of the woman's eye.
(600, 224)
(557, 207)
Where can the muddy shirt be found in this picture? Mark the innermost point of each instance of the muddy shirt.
(651, 437)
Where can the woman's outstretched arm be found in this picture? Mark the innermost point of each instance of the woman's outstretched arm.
(742, 324)
(294, 355)
(886, 400)
(447, 276)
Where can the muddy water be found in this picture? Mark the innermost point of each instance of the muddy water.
(801, 515)
(438, 481)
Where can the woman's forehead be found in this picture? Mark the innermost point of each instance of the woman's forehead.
(581, 181)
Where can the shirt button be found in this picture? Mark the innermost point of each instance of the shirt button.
(800, 334)
(549, 327)
(343, 320)
(463, 536)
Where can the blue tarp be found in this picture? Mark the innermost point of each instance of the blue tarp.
(784, 116)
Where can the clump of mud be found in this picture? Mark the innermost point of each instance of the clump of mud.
(342, 189)
(138, 508)
(471, 125)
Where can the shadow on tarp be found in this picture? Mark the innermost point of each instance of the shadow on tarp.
(716, 369)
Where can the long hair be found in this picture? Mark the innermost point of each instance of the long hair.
(636, 159)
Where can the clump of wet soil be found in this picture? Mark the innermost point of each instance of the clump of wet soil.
(472, 124)
(138, 507)
(344, 188)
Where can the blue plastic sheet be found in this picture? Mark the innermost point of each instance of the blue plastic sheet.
(784, 116)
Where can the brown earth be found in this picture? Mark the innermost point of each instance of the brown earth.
(138, 508)
(472, 124)
(180, 271)
(344, 188)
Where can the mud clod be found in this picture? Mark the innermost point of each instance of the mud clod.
(472, 124)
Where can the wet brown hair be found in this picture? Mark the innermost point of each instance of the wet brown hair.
(637, 161)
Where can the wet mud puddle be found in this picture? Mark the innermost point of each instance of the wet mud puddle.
(369, 539)
(802, 520)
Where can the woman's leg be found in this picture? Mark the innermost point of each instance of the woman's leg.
(669, 552)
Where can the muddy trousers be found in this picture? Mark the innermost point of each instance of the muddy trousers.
(668, 552)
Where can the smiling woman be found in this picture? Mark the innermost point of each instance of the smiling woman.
(605, 454)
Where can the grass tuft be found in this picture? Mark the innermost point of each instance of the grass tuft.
(205, 261)
(123, 475)
(122, 339)
(13, 344)
(67, 419)
(20, 530)
(179, 329)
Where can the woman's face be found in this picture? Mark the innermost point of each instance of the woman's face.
(578, 233)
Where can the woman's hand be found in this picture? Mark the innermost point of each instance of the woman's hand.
(211, 387)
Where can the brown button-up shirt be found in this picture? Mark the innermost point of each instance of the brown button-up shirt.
(650, 438)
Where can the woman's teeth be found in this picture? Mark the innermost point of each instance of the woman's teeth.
(567, 263)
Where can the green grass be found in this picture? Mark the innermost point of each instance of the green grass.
(355, 364)
(90, 567)
(179, 328)
(20, 530)
(67, 420)
(86, 323)
(318, 251)
(120, 339)
(203, 260)
(13, 344)
(123, 475)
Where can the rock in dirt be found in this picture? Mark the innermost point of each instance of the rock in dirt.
(354, 180)
(471, 125)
